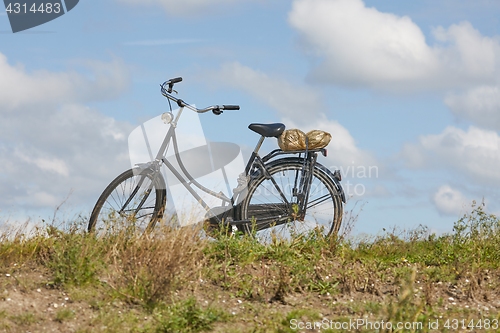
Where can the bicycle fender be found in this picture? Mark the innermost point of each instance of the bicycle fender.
(149, 168)
(335, 180)
(320, 166)
(140, 167)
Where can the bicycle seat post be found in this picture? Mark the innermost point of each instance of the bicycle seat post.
(259, 144)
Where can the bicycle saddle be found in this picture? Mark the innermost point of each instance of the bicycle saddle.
(268, 130)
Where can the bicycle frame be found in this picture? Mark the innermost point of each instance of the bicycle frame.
(187, 178)
(301, 185)
(255, 162)
(272, 190)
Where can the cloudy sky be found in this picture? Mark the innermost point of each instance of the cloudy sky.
(410, 92)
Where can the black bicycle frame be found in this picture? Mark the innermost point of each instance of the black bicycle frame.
(300, 190)
(255, 162)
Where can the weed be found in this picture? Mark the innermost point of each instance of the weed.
(146, 268)
(408, 308)
(64, 314)
(187, 316)
(74, 256)
(25, 319)
(477, 238)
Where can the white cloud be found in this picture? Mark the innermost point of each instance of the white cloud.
(466, 53)
(44, 199)
(300, 107)
(290, 100)
(50, 143)
(358, 45)
(18, 88)
(480, 104)
(474, 153)
(74, 148)
(342, 149)
(46, 164)
(450, 201)
(184, 7)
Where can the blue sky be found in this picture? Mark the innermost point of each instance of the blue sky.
(410, 89)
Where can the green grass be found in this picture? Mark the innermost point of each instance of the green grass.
(174, 281)
(187, 316)
(24, 319)
(64, 314)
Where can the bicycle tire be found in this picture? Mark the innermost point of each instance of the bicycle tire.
(261, 203)
(110, 213)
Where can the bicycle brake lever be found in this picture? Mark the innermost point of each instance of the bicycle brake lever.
(217, 112)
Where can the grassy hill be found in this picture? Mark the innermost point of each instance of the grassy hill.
(176, 281)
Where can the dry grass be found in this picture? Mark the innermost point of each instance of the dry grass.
(173, 280)
(146, 268)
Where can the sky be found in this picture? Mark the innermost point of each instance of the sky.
(409, 90)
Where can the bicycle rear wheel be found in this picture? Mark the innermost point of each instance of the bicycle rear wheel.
(132, 200)
(275, 215)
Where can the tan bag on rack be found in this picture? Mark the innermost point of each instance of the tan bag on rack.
(295, 139)
(292, 139)
(318, 139)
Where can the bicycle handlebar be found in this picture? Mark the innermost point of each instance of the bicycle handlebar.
(231, 107)
(170, 83)
(175, 80)
(167, 88)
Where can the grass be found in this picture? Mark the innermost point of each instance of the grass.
(172, 280)
(187, 316)
(64, 314)
(24, 319)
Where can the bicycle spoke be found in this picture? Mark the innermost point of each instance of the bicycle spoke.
(277, 213)
(130, 200)
(317, 201)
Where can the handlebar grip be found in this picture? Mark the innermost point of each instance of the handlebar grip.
(175, 80)
(231, 107)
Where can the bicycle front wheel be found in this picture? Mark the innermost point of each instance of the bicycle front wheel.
(133, 200)
(272, 206)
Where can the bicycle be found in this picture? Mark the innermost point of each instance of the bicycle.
(282, 194)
